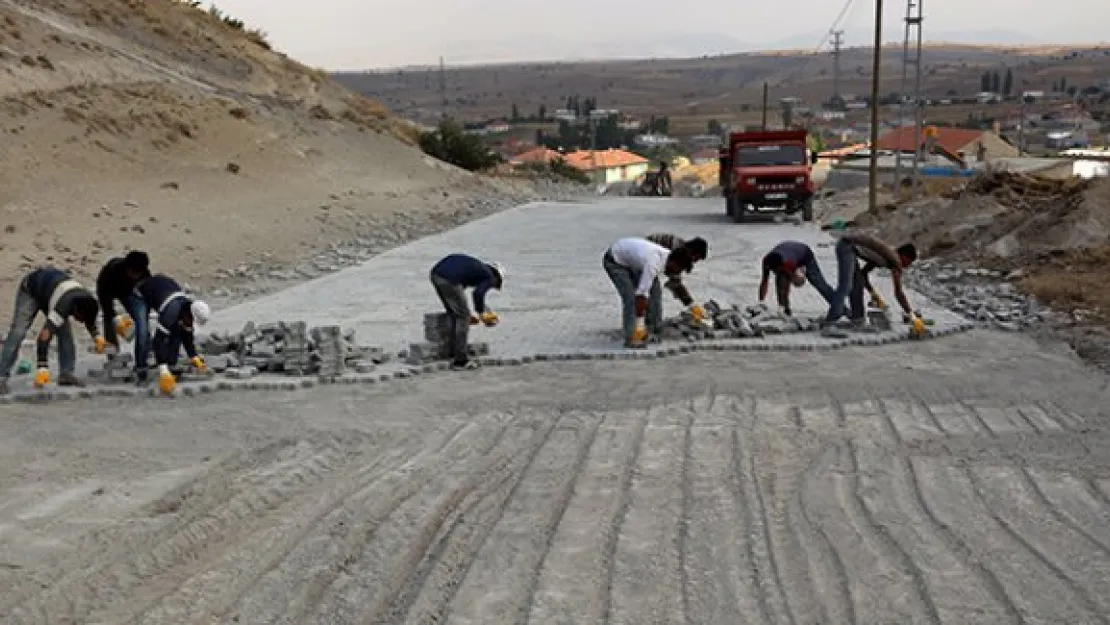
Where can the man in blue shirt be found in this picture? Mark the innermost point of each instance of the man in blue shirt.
(178, 316)
(450, 277)
(792, 263)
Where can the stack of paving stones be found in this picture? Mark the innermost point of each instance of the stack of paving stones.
(437, 341)
(289, 349)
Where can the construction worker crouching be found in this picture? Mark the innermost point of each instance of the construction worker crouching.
(634, 265)
(178, 316)
(792, 263)
(698, 250)
(853, 279)
(450, 277)
(54, 293)
(116, 282)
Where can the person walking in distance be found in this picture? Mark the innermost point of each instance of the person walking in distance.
(178, 316)
(634, 266)
(54, 293)
(116, 282)
(450, 278)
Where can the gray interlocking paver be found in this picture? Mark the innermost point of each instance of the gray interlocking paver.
(557, 298)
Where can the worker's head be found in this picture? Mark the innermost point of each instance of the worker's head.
(907, 254)
(85, 308)
(698, 248)
(498, 274)
(678, 261)
(137, 265)
(197, 314)
(798, 278)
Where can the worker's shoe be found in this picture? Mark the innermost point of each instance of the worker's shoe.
(4, 388)
(830, 331)
(68, 379)
(468, 365)
(634, 344)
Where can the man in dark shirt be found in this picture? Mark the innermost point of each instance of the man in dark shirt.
(792, 263)
(116, 282)
(698, 250)
(450, 277)
(55, 294)
(178, 315)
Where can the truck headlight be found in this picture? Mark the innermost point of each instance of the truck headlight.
(800, 180)
(750, 181)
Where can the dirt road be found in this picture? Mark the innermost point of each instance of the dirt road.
(919, 483)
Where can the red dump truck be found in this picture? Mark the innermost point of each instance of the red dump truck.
(767, 171)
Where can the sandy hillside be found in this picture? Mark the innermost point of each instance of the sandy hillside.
(153, 125)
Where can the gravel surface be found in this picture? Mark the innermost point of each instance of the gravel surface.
(960, 480)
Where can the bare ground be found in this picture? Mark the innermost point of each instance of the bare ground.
(927, 483)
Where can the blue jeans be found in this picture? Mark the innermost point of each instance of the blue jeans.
(849, 284)
(137, 308)
(625, 281)
(167, 343)
(816, 279)
(25, 311)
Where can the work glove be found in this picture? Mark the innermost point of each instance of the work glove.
(125, 327)
(641, 305)
(166, 382)
(697, 312)
(877, 301)
(474, 320)
(910, 316)
(918, 325)
(100, 344)
(490, 318)
(198, 364)
(42, 377)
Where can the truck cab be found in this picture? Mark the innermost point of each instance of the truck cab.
(767, 171)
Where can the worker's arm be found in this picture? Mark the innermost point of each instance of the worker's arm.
(188, 341)
(479, 295)
(896, 278)
(763, 283)
(679, 290)
(782, 291)
(42, 344)
(647, 278)
(107, 312)
(868, 267)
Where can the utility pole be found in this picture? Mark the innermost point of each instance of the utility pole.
(765, 105)
(442, 89)
(913, 23)
(876, 67)
(837, 41)
(914, 20)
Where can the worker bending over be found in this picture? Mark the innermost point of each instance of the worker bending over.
(55, 294)
(178, 316)
(634, 266)
(450, 277)
(853, 279)
(116, 282)
(792, 263)
(698, 249)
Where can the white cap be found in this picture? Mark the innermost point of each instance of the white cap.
(201, 312)
(499, 269)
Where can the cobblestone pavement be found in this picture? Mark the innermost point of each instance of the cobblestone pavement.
(557, 298)
(933, 482)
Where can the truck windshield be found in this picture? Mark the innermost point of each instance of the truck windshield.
(769, 155)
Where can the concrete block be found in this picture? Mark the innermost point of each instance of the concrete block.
(401, 374)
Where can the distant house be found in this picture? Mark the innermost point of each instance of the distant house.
(961, 142)
(535, 155)
(652, 140)
(629, 123)
(565, 115)
(608, 166)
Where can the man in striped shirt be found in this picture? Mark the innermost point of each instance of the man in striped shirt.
(698, 249)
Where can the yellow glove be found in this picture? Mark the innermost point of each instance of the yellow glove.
(42, 377)
(166, 382)
(490, 318)
(877, 300)
(918, 326)
(697, 312)
(639, 333)
(124, 327)
(100, 344)
(198, 364)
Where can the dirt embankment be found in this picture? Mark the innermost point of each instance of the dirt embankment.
(154, 125)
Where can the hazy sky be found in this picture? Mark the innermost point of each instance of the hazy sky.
(360, 34)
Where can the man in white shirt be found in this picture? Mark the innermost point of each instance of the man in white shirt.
(634, 265)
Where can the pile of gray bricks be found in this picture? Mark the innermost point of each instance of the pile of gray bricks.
(437, 339)
(289, 349)
(720, 322)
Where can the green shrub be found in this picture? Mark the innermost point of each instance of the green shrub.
(450, 144)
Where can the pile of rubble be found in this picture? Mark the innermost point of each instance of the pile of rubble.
(734, 322)
(437, 339)
(980, 294)
(1023, 190)
(290, 349)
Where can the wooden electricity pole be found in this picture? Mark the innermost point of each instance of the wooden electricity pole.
(873, 170)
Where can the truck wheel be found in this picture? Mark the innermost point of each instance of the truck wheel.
(807, 210)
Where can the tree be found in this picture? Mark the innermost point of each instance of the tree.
(1008, 82)
(515, 115)
(1063, 84)
(996, 83)
(714, 127)
(543, 113)
(985, 82)
(451, 144)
